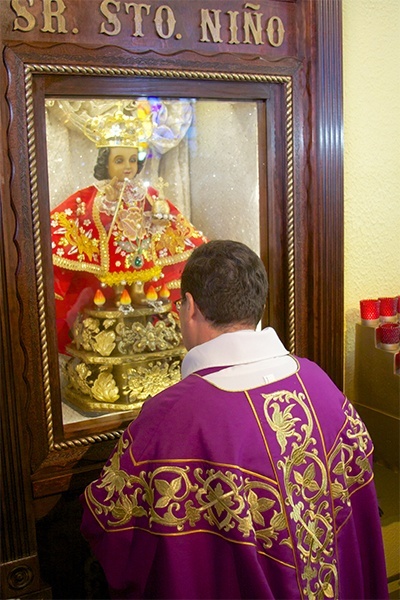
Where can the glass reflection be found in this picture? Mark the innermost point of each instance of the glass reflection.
(135, 185)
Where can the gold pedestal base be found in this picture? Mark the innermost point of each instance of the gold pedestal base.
(120, 358)
(108, 387)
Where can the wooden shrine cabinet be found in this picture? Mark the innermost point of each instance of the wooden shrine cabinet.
(263, 82)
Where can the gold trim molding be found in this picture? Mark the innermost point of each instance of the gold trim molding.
(35, 69)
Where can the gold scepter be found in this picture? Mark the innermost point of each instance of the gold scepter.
(117, 209)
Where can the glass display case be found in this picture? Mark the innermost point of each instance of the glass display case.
(130, 183)
(121, 239)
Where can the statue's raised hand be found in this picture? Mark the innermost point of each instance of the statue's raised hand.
(111, 190)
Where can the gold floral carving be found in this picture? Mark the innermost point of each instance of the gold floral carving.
(142, 382)
(105, 388)
(121, 387)
(99, 385)
(163, 335)
(122, 358)
(125, 335)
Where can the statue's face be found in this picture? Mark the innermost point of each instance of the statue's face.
(123, 163)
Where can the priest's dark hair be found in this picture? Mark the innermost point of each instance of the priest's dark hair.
(101, 167)
(228, 282)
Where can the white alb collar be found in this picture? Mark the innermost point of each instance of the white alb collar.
(234, 348)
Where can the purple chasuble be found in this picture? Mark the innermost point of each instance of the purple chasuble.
(263, 493)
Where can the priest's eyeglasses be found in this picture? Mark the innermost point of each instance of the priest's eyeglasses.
(179, 302)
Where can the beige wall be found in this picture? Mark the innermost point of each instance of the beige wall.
(371, 64)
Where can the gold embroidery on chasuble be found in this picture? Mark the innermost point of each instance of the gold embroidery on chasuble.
(317, 484)
(183, 498)
(304, 479)
(293, 520)
(349, 463)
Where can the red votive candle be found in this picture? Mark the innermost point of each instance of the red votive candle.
(388, 309)
(369, 310)
(389, 335)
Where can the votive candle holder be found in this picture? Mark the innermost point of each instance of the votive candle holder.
(388, 336)
(370, 310)
(388, 309)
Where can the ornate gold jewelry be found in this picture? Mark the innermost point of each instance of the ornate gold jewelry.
(129, 126)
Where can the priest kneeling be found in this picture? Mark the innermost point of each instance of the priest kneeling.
(251, 477)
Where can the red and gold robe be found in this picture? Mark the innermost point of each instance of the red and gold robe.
(92, 247)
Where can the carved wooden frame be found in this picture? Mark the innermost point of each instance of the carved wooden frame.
(30, 71)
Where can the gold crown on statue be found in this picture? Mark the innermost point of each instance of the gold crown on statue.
(129, 126)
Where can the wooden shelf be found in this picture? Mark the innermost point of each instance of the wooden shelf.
(377, 394)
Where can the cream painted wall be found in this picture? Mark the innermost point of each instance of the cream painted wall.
(371, 64)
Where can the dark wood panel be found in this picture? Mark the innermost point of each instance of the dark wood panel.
(327, 249)
(88, 24)
(97, 87)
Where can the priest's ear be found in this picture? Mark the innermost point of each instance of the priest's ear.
(188, 306)
(194, 327)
